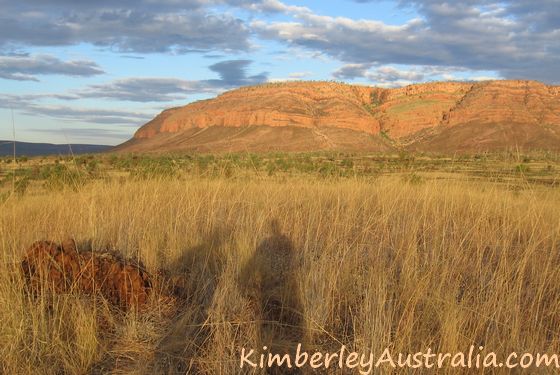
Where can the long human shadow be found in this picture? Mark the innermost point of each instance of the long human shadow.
(194, 276)
(270, 280)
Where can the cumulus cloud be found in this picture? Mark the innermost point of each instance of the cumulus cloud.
(87, 135)
(295, 76)
(385, 76)
(397, 75)
(143, 26)
(232, 73)
(351, 71)
(33, 105)
(518, 39)
(137, 89)
(299, 75)
(388, 74)
(274, 6)
(26, 68)
(96, 116)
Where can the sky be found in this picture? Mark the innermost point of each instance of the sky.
(93, 71)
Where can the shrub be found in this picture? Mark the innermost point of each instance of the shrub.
(522, 168)
(21, 185)
(148, 167)
(59, 177)
(413, 179)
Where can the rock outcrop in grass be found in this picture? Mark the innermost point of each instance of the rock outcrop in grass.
(62, 268)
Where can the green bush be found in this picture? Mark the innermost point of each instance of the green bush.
(413, 179)
(149, 167)
(59, 177)
(21, 185)
(522, 168)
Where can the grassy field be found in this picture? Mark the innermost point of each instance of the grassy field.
(368, 251)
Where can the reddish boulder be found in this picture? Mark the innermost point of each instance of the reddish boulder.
(62, 269)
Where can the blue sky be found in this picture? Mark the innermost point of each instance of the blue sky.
(94, 71)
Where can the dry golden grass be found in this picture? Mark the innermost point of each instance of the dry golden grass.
(376, 263)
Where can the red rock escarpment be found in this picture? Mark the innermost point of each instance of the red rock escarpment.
(399, 115)
(302, 104)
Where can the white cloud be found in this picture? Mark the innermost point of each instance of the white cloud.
(130, 26)
(232, 73)
(26, 68)
(516, 38)
(299, 75)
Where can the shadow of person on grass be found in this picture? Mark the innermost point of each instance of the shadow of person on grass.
(270, 280)
(195, 275)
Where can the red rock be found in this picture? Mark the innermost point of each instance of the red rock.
(63, 269)
(408, 116)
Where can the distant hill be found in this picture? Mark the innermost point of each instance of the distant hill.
(306, 116)
(36, 149)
